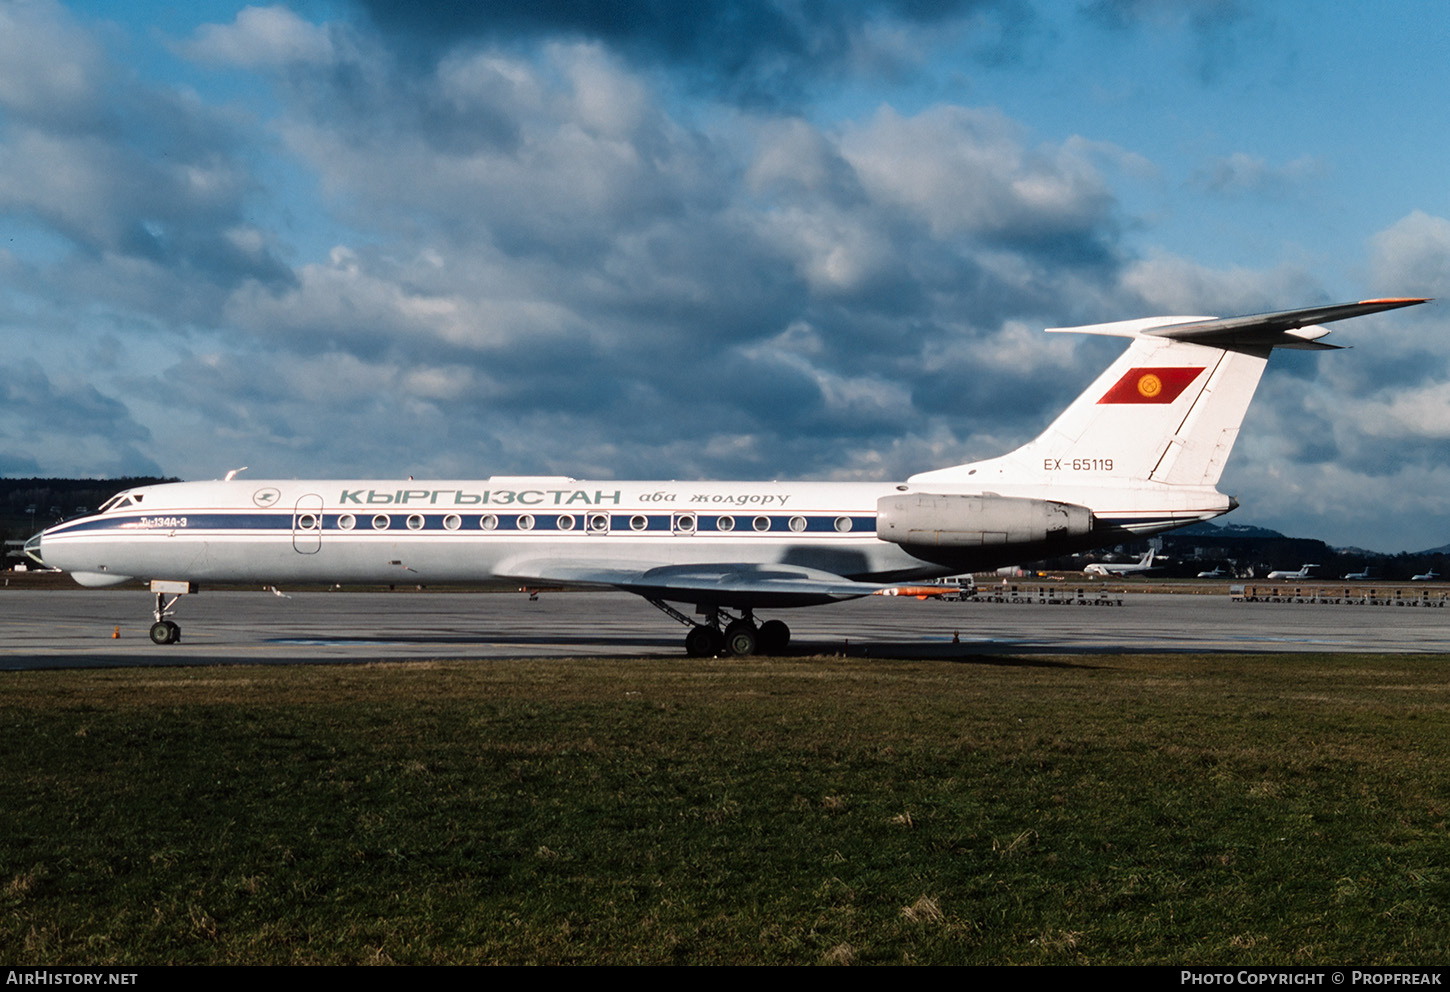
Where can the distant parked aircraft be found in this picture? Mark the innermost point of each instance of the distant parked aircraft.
(1303, 573)
(1143, 564)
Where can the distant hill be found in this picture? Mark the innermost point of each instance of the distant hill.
(1207, 529)
(1255, 551)
(1223, 531)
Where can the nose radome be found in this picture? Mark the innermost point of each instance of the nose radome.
(32, 547)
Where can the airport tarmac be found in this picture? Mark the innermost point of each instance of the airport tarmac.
(65, 629)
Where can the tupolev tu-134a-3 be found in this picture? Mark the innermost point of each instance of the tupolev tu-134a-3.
(1139, 452)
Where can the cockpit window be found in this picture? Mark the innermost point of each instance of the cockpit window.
(119, 501)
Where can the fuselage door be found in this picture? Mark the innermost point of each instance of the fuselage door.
(307, 525)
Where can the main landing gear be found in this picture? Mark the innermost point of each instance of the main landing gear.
(165, 631)
(720, 634)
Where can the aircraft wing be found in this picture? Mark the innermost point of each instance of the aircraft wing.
(725, 584)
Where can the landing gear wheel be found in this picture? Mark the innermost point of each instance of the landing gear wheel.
(165, 632)
(695, 642)
(741, 638)
(772, 637)
(703, 642)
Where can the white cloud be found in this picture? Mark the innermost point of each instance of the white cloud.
(834, 251)
(963, 170)
(1412, 256)
(263, 37)
(51, 68)
(1395, 413)
(1172, 285)
(792, 156)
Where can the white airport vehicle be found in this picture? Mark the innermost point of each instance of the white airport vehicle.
(1143, 564)
(1138, 453)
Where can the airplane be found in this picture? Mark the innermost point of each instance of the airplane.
(1217, 573)
(1357, 576)
(1139, 452)
(1143, 564)
(1303, 573)
(1429, 576)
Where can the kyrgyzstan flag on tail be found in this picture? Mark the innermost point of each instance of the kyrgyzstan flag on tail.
(1155, 385)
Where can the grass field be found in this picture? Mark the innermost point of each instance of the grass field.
(1095, 809)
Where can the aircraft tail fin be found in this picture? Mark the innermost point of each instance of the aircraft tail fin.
(1168, 411)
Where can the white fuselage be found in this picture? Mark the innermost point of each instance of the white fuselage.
(468, 531)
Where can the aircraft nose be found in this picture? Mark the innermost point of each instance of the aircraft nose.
(32, 547)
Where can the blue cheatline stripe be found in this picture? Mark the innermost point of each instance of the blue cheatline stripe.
(434, 523)
(211, 520)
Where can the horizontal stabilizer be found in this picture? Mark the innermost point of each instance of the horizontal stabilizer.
(1276, 329)
(1281, 329)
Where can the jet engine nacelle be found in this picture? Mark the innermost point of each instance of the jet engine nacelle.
(945, 520)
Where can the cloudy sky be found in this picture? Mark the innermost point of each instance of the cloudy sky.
(749, 239)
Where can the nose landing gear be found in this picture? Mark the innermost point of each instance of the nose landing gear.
(165, 631)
